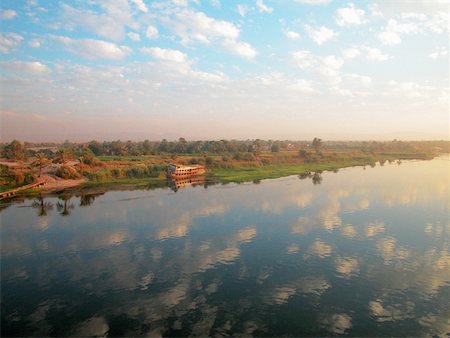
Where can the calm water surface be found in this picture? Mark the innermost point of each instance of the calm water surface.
(358, 252)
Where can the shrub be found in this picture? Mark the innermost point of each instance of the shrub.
(29, 178)
(209, 161)
(67, 173)
(18, 178)
(6, 176)
(248, 157)
(155, 170)
(99, 176)
(116, 172)
(138, 172)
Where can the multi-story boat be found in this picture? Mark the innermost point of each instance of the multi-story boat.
(182, 171)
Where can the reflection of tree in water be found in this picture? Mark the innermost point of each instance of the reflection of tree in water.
(317, 178)
(86, 200)
(65, 207)
(42, 206)
(303, 176)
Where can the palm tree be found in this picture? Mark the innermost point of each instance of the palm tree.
(40, 161)
(82, 158)
(64, 155)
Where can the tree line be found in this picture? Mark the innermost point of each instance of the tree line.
(66, 151)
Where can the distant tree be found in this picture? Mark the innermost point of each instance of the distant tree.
(15, 150)
(275, 147)
(163, 146)
(304, 154)
(181, 146)
(317, 144)
(147, 147)
(97, 148)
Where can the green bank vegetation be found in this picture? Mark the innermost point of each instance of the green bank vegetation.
(144, 163)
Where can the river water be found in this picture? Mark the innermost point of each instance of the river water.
(359, 252)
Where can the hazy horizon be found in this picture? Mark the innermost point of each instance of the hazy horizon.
(137, 69)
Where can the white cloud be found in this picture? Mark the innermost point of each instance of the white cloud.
(391, 33)
(351, 53)
(193, 26)
(7, 14)
(402, 28)
(439, 52)
(292, 35)
(414, 16)
(438, 23)
(171, 55)
(134, 36)
(94, 49)
(242, 9)
(389, 38)
(375, 54)
(33, 67)
(375, 11)
(178, 62)
(109, 24)
(35, 43)
(411, 89)
(141, 5)
(181, 3)
(216, 3)
(152, 32)
(359, 79)
(304, 59)
(262, 7)
(330, 69)
(196, 27)
(302, 86)
(332, 62)
(9, 41)
(314, 2)
(327, 66)
(321, 34)
(240, 48)
(350, 16)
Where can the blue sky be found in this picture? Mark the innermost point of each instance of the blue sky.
(139, 69)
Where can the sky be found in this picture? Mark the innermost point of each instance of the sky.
(224, 69)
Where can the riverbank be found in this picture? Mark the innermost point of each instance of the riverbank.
(113, 171)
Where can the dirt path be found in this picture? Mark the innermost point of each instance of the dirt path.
(56, 183)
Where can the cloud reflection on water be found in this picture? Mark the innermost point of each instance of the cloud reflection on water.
(185, 254)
